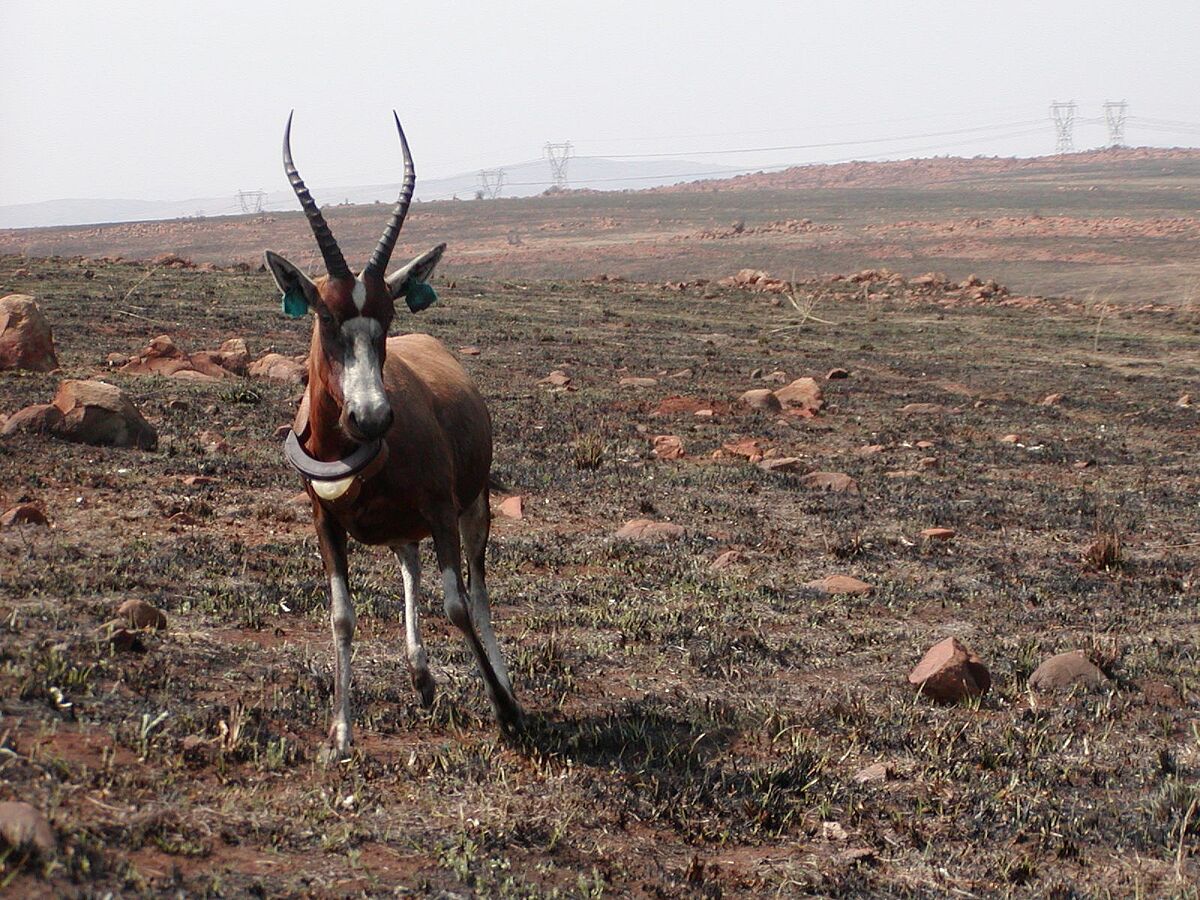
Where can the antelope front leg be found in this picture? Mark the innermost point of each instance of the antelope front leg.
(332, 540)
(418, 661)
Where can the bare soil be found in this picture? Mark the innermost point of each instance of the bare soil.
(692, 732)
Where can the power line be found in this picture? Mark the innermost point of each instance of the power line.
(491, 182)
(820, 146)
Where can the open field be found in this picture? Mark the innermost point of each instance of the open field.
(693, 732)
(1120, 226)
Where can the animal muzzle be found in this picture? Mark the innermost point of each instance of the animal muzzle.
(366, 411)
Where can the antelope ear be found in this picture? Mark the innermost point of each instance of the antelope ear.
(409, 282)
(299, 293)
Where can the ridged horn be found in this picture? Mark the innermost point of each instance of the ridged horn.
(383, 252)
(335, 263)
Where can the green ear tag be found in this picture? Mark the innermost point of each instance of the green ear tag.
(420, 296)
(294, 304)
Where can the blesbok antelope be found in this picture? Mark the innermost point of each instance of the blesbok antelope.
(394, 443)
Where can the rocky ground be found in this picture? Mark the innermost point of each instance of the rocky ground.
(779, 592)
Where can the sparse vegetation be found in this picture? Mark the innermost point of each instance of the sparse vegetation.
(693, 732)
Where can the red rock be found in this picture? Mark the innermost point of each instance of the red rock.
(99, 414)
(803, 393)
(923, 409)
(199, 480)
(1052, 400)
(727, 560)
(872, 774)
(667, 446)
(1011, 439)
(761, 398)
(938, 534)
(511, 507)
(24, 828)
(1185, 400)
(924, 445)
(1066, 670)
(1160, 693)
(631, 381)
(278, 368)
(121, 638)
(835, 374)
(557, 378)
(834, 482)
(703, 413)
(42, 418)
(24, 514)
(782, 464)
(870, 450)
(840, 584)
(140, 614)
(928, 462)
(776, 377)
(949, 672)
(469, 351)
(648, 531)
(749, 448)
(25, 338)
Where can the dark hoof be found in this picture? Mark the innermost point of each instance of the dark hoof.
(423, 682)
(511, 718)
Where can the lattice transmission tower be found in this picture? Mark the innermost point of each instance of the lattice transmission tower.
(1115, 113)
(558, 155)
(1063, 117)
(491, 182)
(251, 201)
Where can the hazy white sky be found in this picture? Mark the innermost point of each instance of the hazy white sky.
(167, 99)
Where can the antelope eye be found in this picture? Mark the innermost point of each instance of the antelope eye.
(326, 318)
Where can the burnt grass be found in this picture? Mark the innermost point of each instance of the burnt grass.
(692, 732)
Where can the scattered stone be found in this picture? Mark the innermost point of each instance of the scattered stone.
(761, 398)
(140, 614)
(682, 373)
(782, 464)
(25, 338)
(938, 534)
(870, 450)
(100, 414)
(872, 774)
(648, 531)
(928, 462)
(557, 378)
(727, 560)
(854, 856)
(802, 394)
(23, 827)
(776, 377)
(924, 409)
(1160, 693)
(705, 413)
(834, 482)
(949, 672)
(24, 514)
(833, 831)
(924, 445)
(41, 418)
(281, 432)
(1052, 400)
(631, 381)
(667, 446)
(835, 374)
(1064, 671)
(840, 585)
(1185, 400)
(198, 480)
(277, 367)
(121, 638)
(902, 473)
(1011, 439)
(748, 447)
(469, 350)
(511, 507)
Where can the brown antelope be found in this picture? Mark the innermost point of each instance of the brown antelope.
(394, 443)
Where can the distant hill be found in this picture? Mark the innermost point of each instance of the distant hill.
(521, 180)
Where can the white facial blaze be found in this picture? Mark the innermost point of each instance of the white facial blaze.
(362, 374)
(359, 295)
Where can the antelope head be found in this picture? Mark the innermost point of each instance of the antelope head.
(353, 313)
